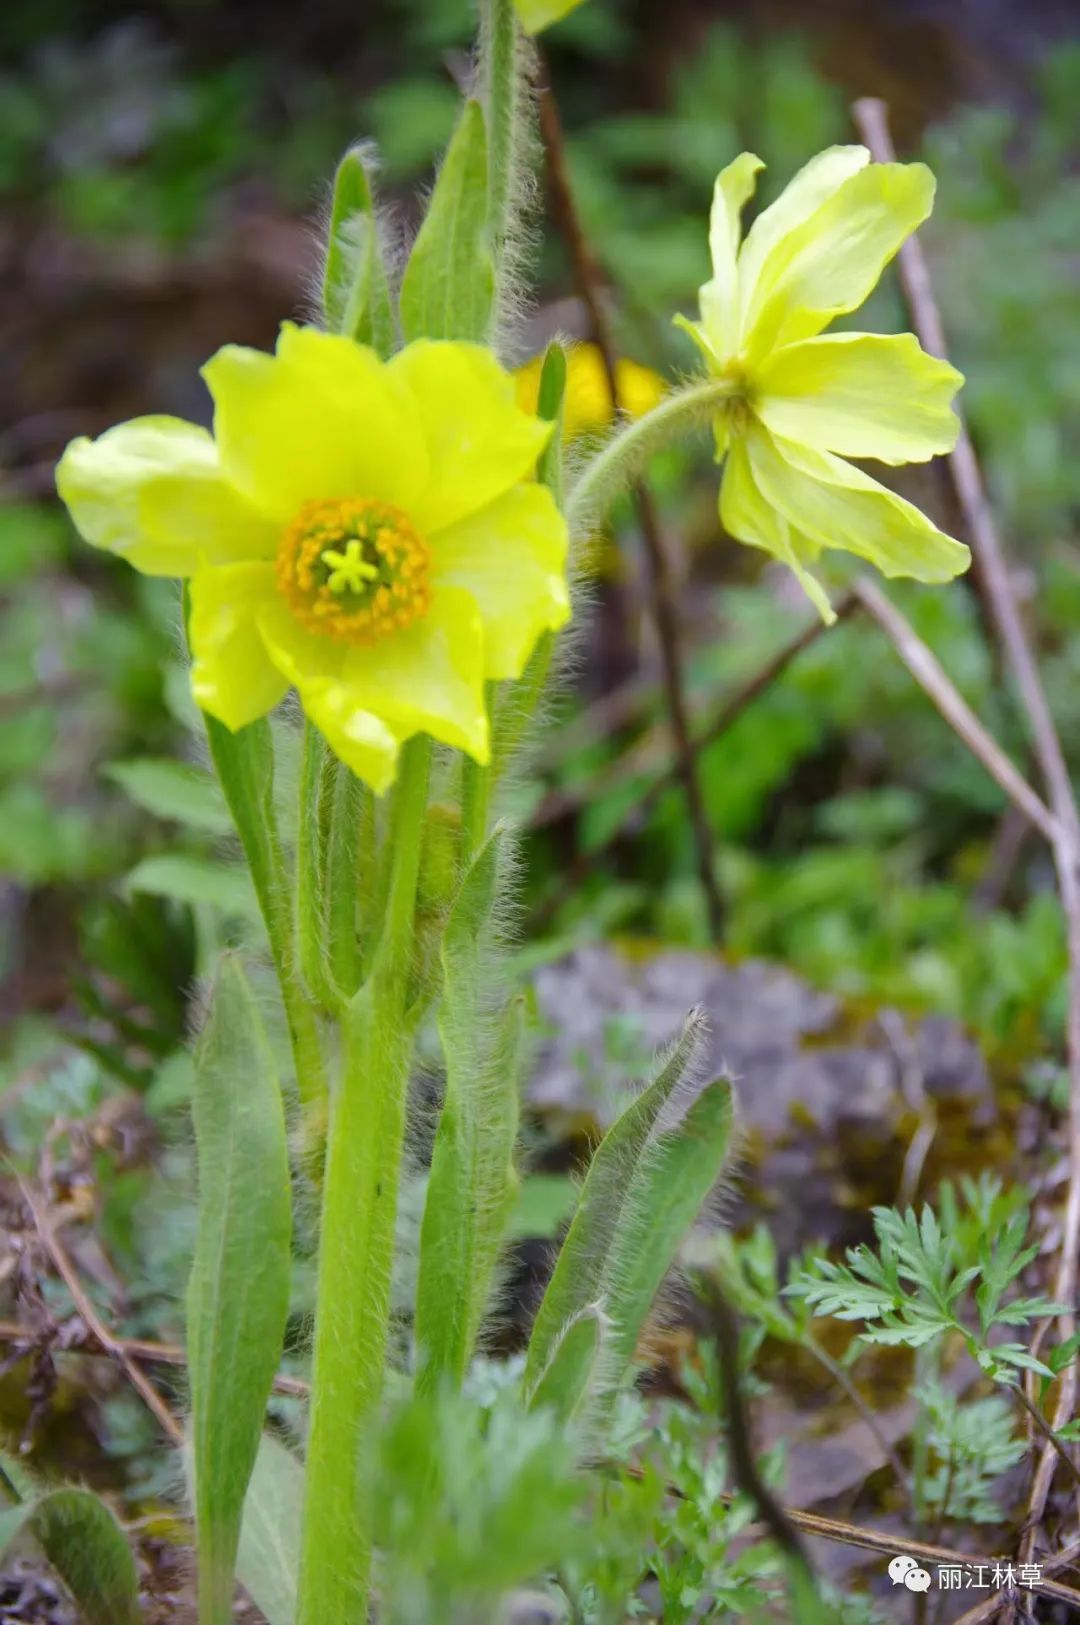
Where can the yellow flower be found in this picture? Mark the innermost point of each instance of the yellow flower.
(587, 404)
(534, 15)
(802, 403)
(365, 531)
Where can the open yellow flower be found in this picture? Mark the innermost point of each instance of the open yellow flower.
(802, 403)
(365, 531)
(534, 15)
(587, 403)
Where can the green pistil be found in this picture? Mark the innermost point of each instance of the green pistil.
(348, 571)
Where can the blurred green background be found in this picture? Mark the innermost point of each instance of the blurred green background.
(162, 172)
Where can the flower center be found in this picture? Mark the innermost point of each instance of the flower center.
(353, 569)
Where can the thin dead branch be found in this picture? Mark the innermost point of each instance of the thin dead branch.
(67, 1272)
(871, 118)
(589, 281)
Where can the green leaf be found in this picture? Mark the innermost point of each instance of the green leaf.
(196, 881)
(549, 405)
(574, 1369)
(356, 294)
(87, 1548)
(238, 1294)
(173, 790)
(581, 1269)
(679, 1167)
(472, 1184)
(268, 1561)
(448, 288)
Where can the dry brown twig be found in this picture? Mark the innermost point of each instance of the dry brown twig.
(67, 1272)
(871, 118)
(589, 280)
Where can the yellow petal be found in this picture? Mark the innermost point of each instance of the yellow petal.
(861, 395)
(362, 741)
(479, 442)
(537, 14)
(834, 504)
(748, 517)
(323, 417)
(720, 296)
(429, 677)
(153, 491)
(832, 261)
(802, 196)
(314, 667)
(511, 559)
(232, 675)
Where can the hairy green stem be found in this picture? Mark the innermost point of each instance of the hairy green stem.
(502, 92)
(342, 883)
(621, 459)
(312, 831)
(367, 1125)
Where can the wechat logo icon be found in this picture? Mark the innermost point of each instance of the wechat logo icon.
(906, 1572)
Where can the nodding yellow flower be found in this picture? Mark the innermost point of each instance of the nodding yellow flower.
(802, 403)
(367, 532)
(587, 403)
(534, 15)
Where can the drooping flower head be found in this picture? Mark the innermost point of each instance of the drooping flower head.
(587, 405)
(803, 401)
(364, 531)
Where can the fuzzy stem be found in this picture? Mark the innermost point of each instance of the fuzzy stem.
(316, 775)
(622, 458)
(342, 886)
(502, 93)
(367, 1125)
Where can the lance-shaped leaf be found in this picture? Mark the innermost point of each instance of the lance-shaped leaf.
(268, 1561)
(472, 1183)
(629, 1224)
(87, 1548)
(238, 1294)
(551, 404)
(448, 289)
(681, 1162)
(356, 293)
(576, 1367)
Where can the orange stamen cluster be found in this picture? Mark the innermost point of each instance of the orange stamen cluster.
(353, 569)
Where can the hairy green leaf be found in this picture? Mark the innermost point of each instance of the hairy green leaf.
(582, 1269)
(238, 1294)
(268, 1560)
(573, 1371)
(472, 1184)
(356, 294)
(87, 1548)
(448, 288)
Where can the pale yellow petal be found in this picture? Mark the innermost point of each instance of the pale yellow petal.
(802, 196)
(153, 492)
(429, 677)
(831, 263)
(748, 517)
(511, 559)
(836, 505)
(364, 742)
(719, 297)
(860, 395)
(232, 675)
(321, 418)
(299, 655)
(479, 442)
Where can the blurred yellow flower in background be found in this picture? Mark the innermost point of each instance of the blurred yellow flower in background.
(367, 532)
(802, 403)
(535, 15)
(587, 403)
